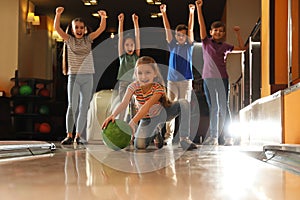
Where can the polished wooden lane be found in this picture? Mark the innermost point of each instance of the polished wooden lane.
(96, 172)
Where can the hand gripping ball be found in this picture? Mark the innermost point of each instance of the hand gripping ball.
(117, 135)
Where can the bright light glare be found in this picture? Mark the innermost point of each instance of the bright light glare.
(240, 177)
(235, 128)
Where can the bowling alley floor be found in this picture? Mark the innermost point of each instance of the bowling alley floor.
(96, 172)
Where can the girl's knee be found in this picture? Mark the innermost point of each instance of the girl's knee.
(140, 143)
(140, 146)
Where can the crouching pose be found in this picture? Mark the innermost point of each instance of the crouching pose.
(153, 107)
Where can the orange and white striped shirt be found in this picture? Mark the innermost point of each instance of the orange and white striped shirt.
(141, 97)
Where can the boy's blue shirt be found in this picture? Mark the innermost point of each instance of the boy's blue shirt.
(180, 61)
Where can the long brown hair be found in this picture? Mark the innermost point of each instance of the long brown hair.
(147, 60)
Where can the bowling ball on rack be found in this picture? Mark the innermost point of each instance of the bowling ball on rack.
(14, 91)
(45, 128)
(44, 110)
(20, 109)
(25, 90)
(44, 92)
(117, 135)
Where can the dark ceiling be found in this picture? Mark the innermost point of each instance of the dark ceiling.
(177, 11)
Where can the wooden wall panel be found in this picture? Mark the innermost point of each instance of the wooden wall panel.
(295, 41)
(281, 40)
(265, 48)
(291, 128)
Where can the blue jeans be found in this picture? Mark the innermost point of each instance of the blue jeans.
(177, 90)
(217, 97)
(80, 88)
(149, 127)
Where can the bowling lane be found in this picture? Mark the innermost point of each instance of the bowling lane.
(96, 172)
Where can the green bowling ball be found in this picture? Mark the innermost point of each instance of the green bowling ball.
(44, 110)
(25, 90)
(117, 135)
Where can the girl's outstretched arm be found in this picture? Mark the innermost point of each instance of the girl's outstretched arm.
(121, 106)
(143, 111)
(135, 20)
(101, 27)
(120, 33)
(61, 33)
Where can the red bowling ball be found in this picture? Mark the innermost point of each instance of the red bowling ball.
(20, 109)
(44, 92)
(45, 128)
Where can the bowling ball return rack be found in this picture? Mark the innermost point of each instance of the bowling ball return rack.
(13, 149)
(285, 156)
